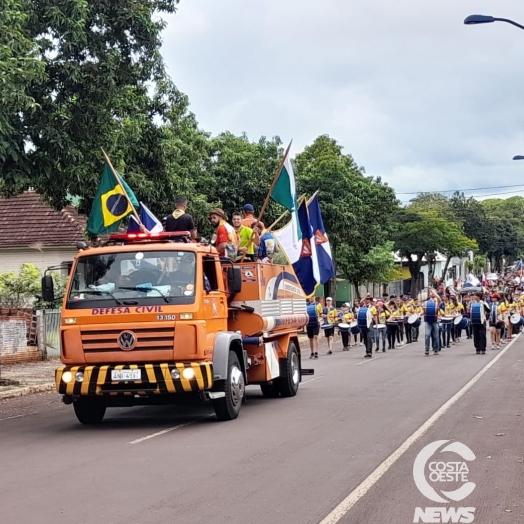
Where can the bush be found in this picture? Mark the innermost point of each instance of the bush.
(22, 290)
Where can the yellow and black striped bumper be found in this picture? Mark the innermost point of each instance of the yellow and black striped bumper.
(156, 379)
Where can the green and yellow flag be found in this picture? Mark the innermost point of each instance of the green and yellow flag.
(110, 205)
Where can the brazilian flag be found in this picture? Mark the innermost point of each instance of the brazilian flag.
(110, 205)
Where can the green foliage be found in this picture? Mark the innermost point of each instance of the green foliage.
(20, 69)
(104, 85)
(19, 290)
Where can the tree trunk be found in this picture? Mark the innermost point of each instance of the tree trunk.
(446, 265)
(414, 269)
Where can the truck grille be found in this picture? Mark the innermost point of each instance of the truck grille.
(147, 339)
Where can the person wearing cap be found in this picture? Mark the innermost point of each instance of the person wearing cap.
(225, 238)
(179, 220)
(329, 314)
(249, 216)
(367, 333)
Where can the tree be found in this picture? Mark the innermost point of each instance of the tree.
(421, 235)
(356, 209)
(238, 172)
(376, 266)
(105, 85)
(20, 68)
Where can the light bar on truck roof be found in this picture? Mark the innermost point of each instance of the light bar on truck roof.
(130, 237)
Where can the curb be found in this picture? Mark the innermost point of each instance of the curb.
(28, 390)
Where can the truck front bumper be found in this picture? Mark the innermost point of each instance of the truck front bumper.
(154, 379)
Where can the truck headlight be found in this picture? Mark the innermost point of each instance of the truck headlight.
(188, 373)
(175, 374)
(79, 376)
(67, 376)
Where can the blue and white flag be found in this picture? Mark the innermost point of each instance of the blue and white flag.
(303, 257)
(150, 221)
(323, 249)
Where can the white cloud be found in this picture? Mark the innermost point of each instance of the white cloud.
(410, 91)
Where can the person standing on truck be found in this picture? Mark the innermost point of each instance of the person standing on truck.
(179, 220)
(268, 245)
(249, 216)
(314, 311)
(225, 238)
(248, 238)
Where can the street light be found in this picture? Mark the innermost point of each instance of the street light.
(483, 19)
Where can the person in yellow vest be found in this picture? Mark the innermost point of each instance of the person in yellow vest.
(416, 309)
(249, 239)
(330, 315)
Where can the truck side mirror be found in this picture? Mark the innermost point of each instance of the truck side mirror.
(48, 290)
(234, 279)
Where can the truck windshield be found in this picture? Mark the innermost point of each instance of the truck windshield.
(137, 277)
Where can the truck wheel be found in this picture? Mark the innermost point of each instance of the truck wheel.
(89, 410)
(270, 389)
(228, 407)
(290, 376)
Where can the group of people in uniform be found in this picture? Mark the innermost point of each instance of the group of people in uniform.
(366, 323)
(396, 321)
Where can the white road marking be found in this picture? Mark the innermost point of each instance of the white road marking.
(167, 430)
(311, 380)
(368, 361)
(342, 509)
(17, 416)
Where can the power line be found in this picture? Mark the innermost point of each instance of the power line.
(459, 190)
(477, 196)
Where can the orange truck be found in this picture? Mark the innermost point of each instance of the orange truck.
(147, 318)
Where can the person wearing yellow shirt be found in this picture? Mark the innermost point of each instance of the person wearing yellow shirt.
(416, 309)
(248, 238)
(330, 315)
(392, 323)
(380, 328)
(407, 309)
(459, 310)
(346, 316)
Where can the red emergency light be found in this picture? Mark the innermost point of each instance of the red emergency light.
(130, 237)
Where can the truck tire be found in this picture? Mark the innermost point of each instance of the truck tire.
(89, 410)
(290, 373)
(228, 407)
(270, 389)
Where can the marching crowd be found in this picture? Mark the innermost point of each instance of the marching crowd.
(447, 314)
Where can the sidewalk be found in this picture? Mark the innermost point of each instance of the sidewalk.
(26, 378)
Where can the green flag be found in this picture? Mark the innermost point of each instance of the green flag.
(110, 205)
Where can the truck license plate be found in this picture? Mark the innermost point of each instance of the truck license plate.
(126, 374)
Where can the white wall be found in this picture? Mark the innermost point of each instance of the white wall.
(12, 259)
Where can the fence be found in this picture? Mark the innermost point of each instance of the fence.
(49, 332)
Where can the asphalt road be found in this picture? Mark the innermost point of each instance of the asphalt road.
(302, 460)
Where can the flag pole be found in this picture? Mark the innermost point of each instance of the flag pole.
(119, 182)
(275, 178)
(299, 199)
(266, 201)
(313, 196)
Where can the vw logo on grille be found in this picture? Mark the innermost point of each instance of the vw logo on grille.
(127, 340)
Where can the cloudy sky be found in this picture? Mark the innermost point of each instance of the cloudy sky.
(411, 92)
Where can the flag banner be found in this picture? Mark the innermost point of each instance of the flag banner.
(285, 193)
(325, 258)
(110, 205)
(303, 257)
(149, 221)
